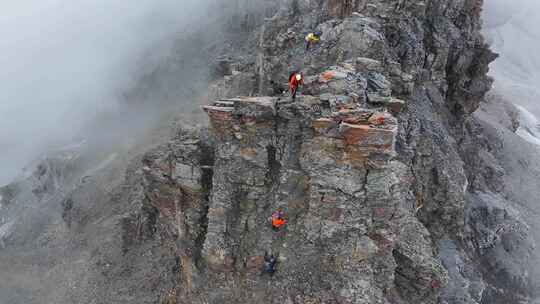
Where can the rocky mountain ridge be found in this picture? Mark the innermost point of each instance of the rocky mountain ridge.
(393, 189)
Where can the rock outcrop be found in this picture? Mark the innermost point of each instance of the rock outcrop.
(331, 167)
(371, 165)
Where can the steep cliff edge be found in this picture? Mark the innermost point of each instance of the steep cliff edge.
(394, 191)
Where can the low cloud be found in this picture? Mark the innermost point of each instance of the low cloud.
(64, 62)
(513, 30)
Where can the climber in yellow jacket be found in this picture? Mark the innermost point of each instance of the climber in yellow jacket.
(313, 38)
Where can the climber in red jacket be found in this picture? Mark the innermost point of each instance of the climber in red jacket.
(295, 80)
(278, 220)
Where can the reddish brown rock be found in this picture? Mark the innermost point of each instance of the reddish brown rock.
(381, 118)
(368, 136)
(322, 124)
(221, 118)
(217, 113)
(255, 263)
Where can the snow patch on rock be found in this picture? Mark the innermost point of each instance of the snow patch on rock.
(529, 128)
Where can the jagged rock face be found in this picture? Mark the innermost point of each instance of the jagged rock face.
(392, 191)
(329, 167)
(429, 54)
(367, 166)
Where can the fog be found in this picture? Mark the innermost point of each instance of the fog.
(64, 63)
(513, 30)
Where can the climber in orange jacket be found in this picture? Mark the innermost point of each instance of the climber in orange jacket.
(296, 79)
(278, 220)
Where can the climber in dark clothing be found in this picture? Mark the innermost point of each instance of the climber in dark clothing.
(270, 263)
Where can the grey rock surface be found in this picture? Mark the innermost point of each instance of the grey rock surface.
(394, 191)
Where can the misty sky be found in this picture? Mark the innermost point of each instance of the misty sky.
(64, 61)
(513, 30)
